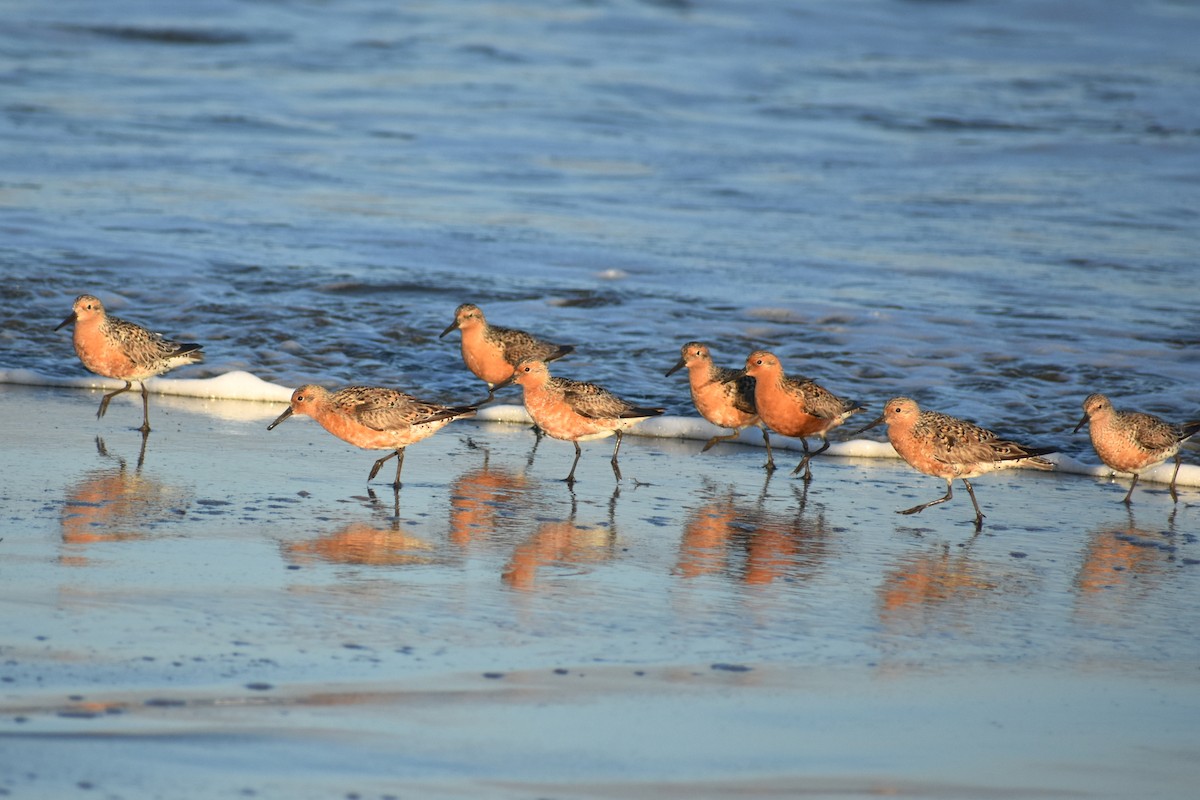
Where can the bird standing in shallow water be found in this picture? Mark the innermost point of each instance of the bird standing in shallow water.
(723, 396)
(491, 351)
(114, 348)
(948, 448)
(1130, 441)
(575, 411)
(373, 418)
(795, 406)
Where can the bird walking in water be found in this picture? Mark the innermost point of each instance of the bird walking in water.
(491, 352)
(796, 407)
(575, 411)
(114, 348)
(723, 396)
(1133, 442)
(948, 448)
(373, 418)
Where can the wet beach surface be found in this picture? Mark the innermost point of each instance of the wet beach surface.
(990, 207)
(241, 615)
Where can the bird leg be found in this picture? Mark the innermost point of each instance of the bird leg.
(399, 456)
(716, 439)
(104, 400)
(145, 411)
(803, 465)
(1127, 500)
(615, 466)
(570, 479)
(770, 465)
(1174, 475)
(974, 502)
(923, 506)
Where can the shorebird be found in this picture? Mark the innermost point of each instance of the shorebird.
(948, 448)
(1130, 441)
(723, 396)
(491, 351)
(575, 411)
(373, 418)
(795, 407)
(114, 348)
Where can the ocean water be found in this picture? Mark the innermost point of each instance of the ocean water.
(992, 207)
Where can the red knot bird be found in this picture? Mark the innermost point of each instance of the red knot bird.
(948, 448)
(723, 396)
(373, 418)
(115, 348)
(1132, 442)
(491, 351)
(575, 411)
(796, 407)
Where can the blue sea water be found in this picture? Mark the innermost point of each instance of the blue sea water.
(991, 206)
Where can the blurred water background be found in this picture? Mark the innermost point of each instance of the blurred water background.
(991, 206)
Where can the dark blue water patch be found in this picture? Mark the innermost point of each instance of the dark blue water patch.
(171, 36)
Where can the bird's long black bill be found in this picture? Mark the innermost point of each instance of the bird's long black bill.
(280, 419)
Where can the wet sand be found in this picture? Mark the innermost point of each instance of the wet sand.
(239, 614)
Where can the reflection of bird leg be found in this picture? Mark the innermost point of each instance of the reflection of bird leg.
(396, 505)
(142, 451)
(536, 441)
(102, 449)
(801, 495)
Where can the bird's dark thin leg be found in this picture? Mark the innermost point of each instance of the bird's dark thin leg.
(974, 502)
(770, 465)
(379, 463)
(617, 449)
(1127, 500)
(399, 466)
(145, 410)
(570, 479)
(716, 439)
(923, 506)
(104, 400)
(804, 462)
(1174, 475)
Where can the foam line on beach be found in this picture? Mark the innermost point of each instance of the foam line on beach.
(239, 385)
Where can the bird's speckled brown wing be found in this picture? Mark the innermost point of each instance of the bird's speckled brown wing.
(739, 387)
(519, 345)
(146, 347)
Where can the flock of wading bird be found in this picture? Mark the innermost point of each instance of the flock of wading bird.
(381, 418)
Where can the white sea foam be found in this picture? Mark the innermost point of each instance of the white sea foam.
(244, 391)
(237, 385)
(695, 428)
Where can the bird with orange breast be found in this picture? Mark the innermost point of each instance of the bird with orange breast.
(797, 407)
(373, 418)
(115, 348)
(492, 351)
(576, 411)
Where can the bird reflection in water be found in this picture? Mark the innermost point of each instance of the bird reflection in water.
(942, 578)
(484, 500)
(114, 504)
(751, 543)
(562, 544)
(1122, 567)
(362, 543)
